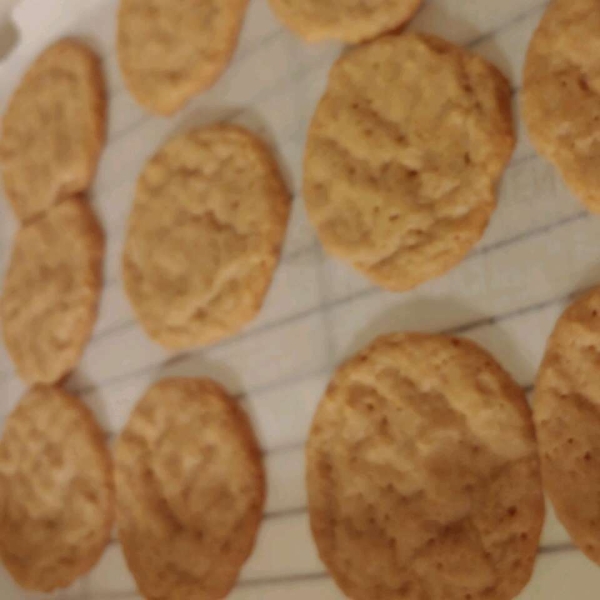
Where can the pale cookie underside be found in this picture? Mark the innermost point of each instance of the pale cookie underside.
(423, 476)
(204, 236)
(401, 169)
(344, 20)
(190, 490)
(56, 491)
(54, 127)
(561, 94)
(170, 51)
(51, 291)
(567, 415)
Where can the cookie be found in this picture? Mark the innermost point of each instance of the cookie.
(423, 474)
(403, 157)
(567, 417)
(344, 20)
(561, 94)
(51, 291)
(54, 129)
(171, 51)
(204, 236)
(56, 490)
(190, 490)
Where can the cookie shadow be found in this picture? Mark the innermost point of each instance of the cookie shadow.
(589, 281)
(110, 412)
(456, 27)
(9, 39)
(436, 19)
(86, 388)
(426, 315)
(197, 365)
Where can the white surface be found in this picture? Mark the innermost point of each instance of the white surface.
(540, 248)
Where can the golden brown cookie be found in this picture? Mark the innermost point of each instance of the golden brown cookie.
(423, 474)
(51, 291)
(170, 51)
(56, 490)
(344, 20)
(561, 94)
(53, 129)
(403, 157)
(204, 237)
(567, 417)
(190, 490)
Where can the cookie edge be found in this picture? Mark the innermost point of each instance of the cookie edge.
(98, 440)
(246, 432)
(282, 204)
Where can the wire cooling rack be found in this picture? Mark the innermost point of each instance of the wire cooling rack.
(540, 249)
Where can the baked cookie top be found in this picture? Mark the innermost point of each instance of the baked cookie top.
(56, 490)
(53, 129)
(170, 51)
(567, 417)
(190, 490)
(344, 20)
(403, 157)
(51, 291)
(423, 475)
(561, 94)
(204, 237)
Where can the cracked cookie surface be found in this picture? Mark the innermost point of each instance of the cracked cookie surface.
(567, 417)
(423, 475)
(170, 51)
(190, 490)
(53, 129)
(561, 94)
(344, 20)
(403, 157)
(56, 490)
(205, 235)
(51, 291)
